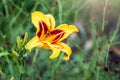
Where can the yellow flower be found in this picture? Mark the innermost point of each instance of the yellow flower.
(49, 37)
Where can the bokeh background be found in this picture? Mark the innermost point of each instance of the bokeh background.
(95, 48)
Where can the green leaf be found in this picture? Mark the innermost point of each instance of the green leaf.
(5, 53)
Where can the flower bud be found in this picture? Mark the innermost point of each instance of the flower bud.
(25, 38)
(15, 53)
(19, 43)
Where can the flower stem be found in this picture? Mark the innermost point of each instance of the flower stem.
(104, 12)
(59, 61)
(21, 73)
(56, 66)
(60, 11)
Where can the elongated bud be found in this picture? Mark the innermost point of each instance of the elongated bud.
(1, 73)
(19, 43)
(15, 53)
(25, 38)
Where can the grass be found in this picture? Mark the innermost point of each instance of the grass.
(95, 56)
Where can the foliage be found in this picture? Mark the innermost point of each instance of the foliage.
(96, 53)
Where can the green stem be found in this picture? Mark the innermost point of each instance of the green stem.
(35, 56)
(104, 12)
(17, 7)
(21, 73)
(6, 8)
(18, 14)
(60, 11)
(82, 7)
(98, 73)
(113, 38)
(59, 61)
(56, 66)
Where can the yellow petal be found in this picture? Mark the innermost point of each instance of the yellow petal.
(48, 19)
(51, 21)
(65, 48)
(55, 36)
(68, 29)
(34, 42)
(55, 53)
(61, 47)
(56, 48)
(39, 21)
(43, 22)
(47, 45)
(37, 17)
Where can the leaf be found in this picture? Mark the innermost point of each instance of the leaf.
(5, 53)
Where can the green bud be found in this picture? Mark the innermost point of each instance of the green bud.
(19, 43)
(25, 38)
(15, 53)
(1, 72)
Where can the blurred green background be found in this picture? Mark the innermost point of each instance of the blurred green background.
(96, 48)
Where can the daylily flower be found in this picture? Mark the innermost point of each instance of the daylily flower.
(49, 37)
